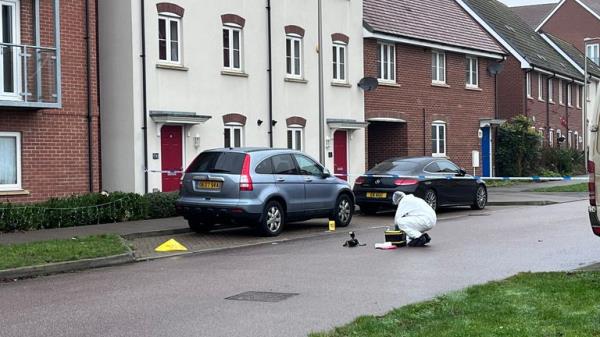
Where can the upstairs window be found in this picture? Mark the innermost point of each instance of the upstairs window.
(232, 48)
(339, 62)
(169, 39)
(593, 52)
(438, 67)
(561, 99)
(541, 87)
(386, 62)
(578, 96)
(438, 139)
(570, 95)
(293, 55)
(551, 91)
(472, 72)
(528, 84)
(9, 55)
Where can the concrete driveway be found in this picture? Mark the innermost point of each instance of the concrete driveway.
(185, 296)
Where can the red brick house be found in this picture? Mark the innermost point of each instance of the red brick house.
(436, 95)
(48, 99)
(537, 80)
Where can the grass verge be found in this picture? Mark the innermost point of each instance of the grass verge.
(582, 187)
(542, 304)
(39, 253)
(506, 183)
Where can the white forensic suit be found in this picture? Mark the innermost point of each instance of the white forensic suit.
(413, 216)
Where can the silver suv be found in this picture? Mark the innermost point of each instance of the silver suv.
(260, 187)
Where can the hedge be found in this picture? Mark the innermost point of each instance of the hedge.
(88, 209)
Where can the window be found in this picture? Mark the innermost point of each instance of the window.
(169, 39)
(570, 139)
(339, 62)
(447, 167)
(577, 97)
(265, 167)
(593, 52)
(10, 161)
(234, 136)
(293, 50)
(529, 85)
(551, 91)
(472, 72)
(540, 87)
(561, 99)
(9, 55)
(386, 62)
(569, 95)
(284, 164)
(438, 67)
(438, 139)
(232, 48)
(576, 140)
(551, 137)
(541, 133)
(307, 166)
(295, 138)
(558, 135)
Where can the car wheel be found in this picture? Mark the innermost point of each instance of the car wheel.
(368, 210)
(431, 199)
(344, 209)
(273, 219)
(200, 226)
(480, 198)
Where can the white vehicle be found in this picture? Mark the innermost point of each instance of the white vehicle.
(593, 164)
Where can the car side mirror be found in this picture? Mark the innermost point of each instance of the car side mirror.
(325, 174)
(462, 172)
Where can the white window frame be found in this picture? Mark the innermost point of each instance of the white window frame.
(168, 18)
(576, 140)
(291, 39)
(551, 91)
(438, 67)
(386, 53)
(232, 127)
(540, 87)
(561, 98)
(16, 51)
(231, 29)
(551, 138)
(439, 125)
(570, 95)
(472, 72)
(17, 186)
(570, 140)
(578, 97)
(541, 133)
(528, 84)
(340, 69)
(294, 129)
(592, 51)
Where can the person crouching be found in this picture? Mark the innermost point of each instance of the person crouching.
(415, 217)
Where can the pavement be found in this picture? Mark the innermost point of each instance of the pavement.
(186, 296)
(521, 194)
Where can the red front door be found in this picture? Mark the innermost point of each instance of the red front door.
(340, 154)
(171, 139)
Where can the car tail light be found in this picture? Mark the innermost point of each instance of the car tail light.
(596, 230)
(359, 181)
(592, 182)
(405, 182)
(245, 179)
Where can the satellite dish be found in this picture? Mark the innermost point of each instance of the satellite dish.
(495, 68)
(368, 83)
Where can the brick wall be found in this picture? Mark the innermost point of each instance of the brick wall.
(54, 142)
(573, 23)
(459, 107)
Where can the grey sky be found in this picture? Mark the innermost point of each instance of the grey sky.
(526, 2)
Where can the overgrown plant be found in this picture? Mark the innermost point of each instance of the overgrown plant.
(518, 148)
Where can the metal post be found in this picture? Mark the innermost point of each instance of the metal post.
(321, 99)
(58, 68)
(585, 104)
(38, 59)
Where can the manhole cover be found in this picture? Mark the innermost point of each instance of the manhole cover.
(260, 296)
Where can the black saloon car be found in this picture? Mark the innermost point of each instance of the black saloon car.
(425, 177)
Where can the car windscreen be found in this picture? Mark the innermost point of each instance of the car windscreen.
(391, 167)
(218, 162)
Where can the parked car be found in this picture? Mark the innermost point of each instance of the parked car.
(259, 187)
(375, 188)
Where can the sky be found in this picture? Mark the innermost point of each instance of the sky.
(526, 2)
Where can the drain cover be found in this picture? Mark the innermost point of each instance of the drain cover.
(261, 296)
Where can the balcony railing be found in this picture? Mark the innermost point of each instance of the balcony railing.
(29, 76)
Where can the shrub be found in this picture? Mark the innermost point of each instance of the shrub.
(88, 209)
(518, 148)
(563, 161)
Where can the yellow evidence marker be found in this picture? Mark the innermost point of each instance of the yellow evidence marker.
(171, 246)
(332, 226)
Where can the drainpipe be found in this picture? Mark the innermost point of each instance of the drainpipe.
(144, 94)
(270, 70)
(89, 96)
(321, 99)
(424, 134)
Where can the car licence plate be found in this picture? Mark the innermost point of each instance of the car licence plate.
(209, 185)
(376, 195)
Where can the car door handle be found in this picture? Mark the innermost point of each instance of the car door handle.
(280, 180)
(308, 179)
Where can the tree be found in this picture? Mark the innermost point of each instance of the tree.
(518, 148)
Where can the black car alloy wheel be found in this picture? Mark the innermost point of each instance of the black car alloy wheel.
(480, 198)
(431, 199)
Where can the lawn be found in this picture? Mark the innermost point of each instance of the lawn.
(38, 253)
(542, 304)
(582, 187)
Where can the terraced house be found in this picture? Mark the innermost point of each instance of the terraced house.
(227, 74)
(48, 99)
(436, 69)
(537, 80)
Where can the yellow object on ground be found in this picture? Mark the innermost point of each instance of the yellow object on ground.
(332, 225)
(171, 246)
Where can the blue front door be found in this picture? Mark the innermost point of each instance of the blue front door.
(486, 152)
